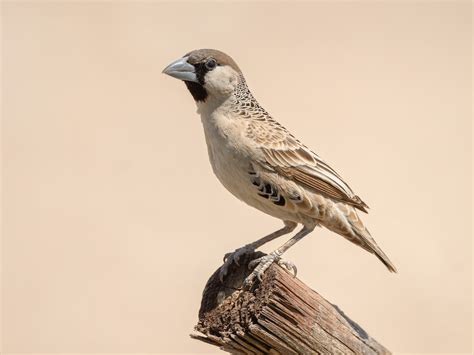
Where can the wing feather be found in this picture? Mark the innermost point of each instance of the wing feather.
(286, 155)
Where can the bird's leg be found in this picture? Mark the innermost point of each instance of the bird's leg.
(260, 265)
(234, 256)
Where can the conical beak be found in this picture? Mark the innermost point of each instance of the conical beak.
(181, 69)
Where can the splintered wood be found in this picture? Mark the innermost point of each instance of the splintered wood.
(280, 315)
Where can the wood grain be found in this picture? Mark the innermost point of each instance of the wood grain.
(280, 315)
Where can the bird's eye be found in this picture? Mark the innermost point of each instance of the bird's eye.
(211, 64)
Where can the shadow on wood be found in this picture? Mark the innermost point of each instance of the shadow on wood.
(281, 315)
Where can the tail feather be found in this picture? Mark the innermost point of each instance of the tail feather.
(359, 235)
(366, 241)
(383, 258)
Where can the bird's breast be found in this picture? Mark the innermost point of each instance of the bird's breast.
(232, 155)
(227, 155)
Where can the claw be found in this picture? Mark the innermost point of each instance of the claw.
(248, 282)
(253, 264)
(288, 265)
(234, 257)
(222, 273)
(260, 265)
(295, 270)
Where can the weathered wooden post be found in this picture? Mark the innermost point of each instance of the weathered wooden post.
(280, 315)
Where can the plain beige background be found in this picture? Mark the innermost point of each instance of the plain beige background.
(113, 220)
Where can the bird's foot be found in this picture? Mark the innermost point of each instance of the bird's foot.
(234, 257)
(260, 265)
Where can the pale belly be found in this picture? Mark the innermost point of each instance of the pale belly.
(232, 170)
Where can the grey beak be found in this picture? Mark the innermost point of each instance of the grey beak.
(181, 69)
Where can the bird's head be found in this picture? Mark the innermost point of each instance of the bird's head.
(207, 73)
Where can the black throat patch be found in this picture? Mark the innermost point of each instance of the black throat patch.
(197, 90)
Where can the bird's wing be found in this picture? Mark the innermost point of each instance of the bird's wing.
(287, 156)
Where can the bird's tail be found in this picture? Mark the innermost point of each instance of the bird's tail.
(372, 247)
(359, 235)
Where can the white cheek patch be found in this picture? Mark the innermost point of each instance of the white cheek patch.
(221, 81)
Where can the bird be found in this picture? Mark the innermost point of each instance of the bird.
(264, 165)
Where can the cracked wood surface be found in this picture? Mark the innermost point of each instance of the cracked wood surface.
(281, 315)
